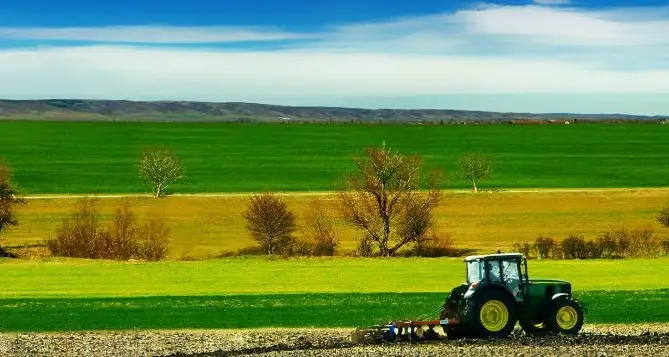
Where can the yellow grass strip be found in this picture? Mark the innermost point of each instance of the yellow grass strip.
(205, 226)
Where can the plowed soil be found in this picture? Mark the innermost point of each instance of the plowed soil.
(637, 340)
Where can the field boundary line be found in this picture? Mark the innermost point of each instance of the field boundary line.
(331, 193)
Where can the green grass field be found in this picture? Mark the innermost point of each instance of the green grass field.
(282, 310)
(64, 294)
(76, 157)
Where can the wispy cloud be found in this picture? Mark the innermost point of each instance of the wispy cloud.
(552, 2)
(151, 34)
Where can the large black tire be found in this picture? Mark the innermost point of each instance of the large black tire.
(491, 314)
(565, 316)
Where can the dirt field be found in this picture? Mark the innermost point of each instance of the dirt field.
(205, 226)
(638, 340)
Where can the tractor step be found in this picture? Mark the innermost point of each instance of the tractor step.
(412, 331)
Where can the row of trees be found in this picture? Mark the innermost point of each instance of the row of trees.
(388, 198)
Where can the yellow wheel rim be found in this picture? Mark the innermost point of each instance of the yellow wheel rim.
(494, 315)
(567, 317)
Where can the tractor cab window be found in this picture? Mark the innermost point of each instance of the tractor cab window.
(511, 272)
(495, 271)
(475, 272)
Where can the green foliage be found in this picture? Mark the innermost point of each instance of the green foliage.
(220, 157)
(160, 167)
(474, 167)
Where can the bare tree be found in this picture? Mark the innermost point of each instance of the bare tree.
(270, 222)
(474, 167)
(8, 202)
(382, 199)
(160, 167)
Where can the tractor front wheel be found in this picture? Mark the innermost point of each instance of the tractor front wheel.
(492, 314)
(565, 317)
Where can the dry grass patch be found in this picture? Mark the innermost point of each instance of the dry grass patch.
(206, 226)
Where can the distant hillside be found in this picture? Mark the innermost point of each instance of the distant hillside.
(120, 110)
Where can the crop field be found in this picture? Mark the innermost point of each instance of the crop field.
(206, 226)
(615, 171)
(257, 292)
(81, 157)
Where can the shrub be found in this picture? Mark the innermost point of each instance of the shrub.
(152, 240)
(434, 245)
(270, 223)
(321, 232)
(121, 242)
(607, 244)
(365, 247)
(593, 250)
(252, 250)
(523, 247)
(544, 246)
(644, 243)
(574, 247)
(663, 217)
(623, 242)
(82, 235)
(665, 246)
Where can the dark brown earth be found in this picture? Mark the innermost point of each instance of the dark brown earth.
(639, 340)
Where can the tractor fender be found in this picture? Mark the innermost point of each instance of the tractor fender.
(559, 296)
(473, 292)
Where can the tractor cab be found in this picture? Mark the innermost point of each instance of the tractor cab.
(506, 270)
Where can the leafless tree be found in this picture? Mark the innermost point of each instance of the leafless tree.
(270, 222)
(8, 202)
(382, 198)
(474, 167)
(160, 167)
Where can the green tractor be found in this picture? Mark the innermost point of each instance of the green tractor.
(497, 294)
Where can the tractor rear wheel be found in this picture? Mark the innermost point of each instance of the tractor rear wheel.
(565, 316)
(492, 314)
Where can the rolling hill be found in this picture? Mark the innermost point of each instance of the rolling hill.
(121, 110)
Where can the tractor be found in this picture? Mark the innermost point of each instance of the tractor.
(496, 295)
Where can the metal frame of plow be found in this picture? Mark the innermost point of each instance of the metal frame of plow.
(411, 331)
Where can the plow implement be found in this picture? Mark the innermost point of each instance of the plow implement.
(410, 331)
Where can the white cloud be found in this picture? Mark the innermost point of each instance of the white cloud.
(132, 73)
(151, 34)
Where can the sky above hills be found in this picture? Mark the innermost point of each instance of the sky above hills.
(539, 56)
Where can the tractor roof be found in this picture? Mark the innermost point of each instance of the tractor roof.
(493, 256)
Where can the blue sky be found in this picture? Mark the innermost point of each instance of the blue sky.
(527, 56)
